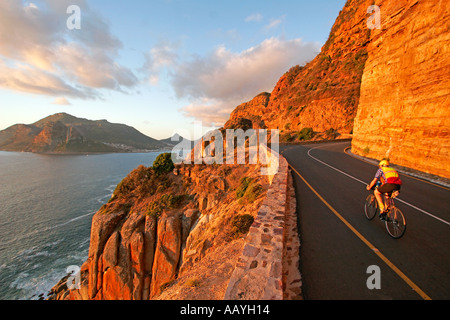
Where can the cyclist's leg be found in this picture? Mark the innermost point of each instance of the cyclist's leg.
(385, 189)
(379, 198)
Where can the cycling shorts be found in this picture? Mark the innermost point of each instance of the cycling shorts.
(389, 187)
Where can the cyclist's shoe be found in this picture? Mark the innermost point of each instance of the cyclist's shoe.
(383, 215)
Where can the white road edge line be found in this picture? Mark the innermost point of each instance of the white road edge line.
(350, 176)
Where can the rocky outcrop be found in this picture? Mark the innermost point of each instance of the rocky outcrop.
(158, 227)
(404, 111)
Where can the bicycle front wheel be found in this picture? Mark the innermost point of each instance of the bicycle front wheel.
(370, 207)
(395, 223)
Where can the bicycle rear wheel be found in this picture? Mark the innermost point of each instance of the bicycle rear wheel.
(370, 207)
(395, 223)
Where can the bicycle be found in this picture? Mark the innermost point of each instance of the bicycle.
(395, 221)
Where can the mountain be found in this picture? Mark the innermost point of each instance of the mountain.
(64, 133)
(386, 88)
(322, 95)
(175, 139)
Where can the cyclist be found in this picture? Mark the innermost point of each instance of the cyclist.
(390, 181)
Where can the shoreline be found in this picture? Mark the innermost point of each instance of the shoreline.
(85, 153)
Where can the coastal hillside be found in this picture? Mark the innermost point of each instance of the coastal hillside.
(163, 224)
(63, 133)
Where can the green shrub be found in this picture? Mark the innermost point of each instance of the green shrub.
(306, 134)
(331, 133)
(293, 73)
(140, 182)
(163, 163)
(241, 224)
(253, 192)
(170, 201)
(167, 201)
(366, 150)
(244, 183)
(154, 210)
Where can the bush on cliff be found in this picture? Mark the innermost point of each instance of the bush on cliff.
(253, 191)
(248, 190)
(243, 185)
(163, 163)
(241, 225)
(140, 182)
(306, 134)
(166, 201)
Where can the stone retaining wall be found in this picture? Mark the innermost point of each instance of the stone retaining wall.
(268, 266)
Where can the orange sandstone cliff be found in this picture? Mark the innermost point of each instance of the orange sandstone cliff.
(404, 108)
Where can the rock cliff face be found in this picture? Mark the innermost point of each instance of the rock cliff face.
(323, 94)
(404, 109)
(158, 228)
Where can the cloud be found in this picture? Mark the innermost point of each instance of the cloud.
(255, 17)
(62, 102)
(221, 80)
(162, 56)
(273, 23)
(40, 55)
(24, 78)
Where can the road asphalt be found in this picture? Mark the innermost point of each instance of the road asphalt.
(343, 255)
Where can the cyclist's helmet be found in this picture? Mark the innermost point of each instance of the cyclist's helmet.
(384, 163)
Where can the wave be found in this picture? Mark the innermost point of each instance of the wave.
(29, 234)
(100, 200)
(110, 190)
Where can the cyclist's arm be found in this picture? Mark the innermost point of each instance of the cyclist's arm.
(372, 183)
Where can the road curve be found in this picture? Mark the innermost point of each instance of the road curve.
(339, 245)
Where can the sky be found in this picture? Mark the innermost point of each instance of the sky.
(156, 65)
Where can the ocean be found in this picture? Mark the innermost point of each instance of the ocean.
(46, 208)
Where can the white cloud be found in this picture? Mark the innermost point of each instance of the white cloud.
(39, 55)
(163, 56)
(255, 17)
(61, 101)
(216, 83)
(24, 78)
(273, 23)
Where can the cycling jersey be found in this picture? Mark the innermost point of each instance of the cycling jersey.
(388, 175)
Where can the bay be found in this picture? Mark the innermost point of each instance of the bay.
(46, 208)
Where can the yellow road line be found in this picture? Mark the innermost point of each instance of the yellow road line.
(367, 242)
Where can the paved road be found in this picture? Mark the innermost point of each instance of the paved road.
(335, 260)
